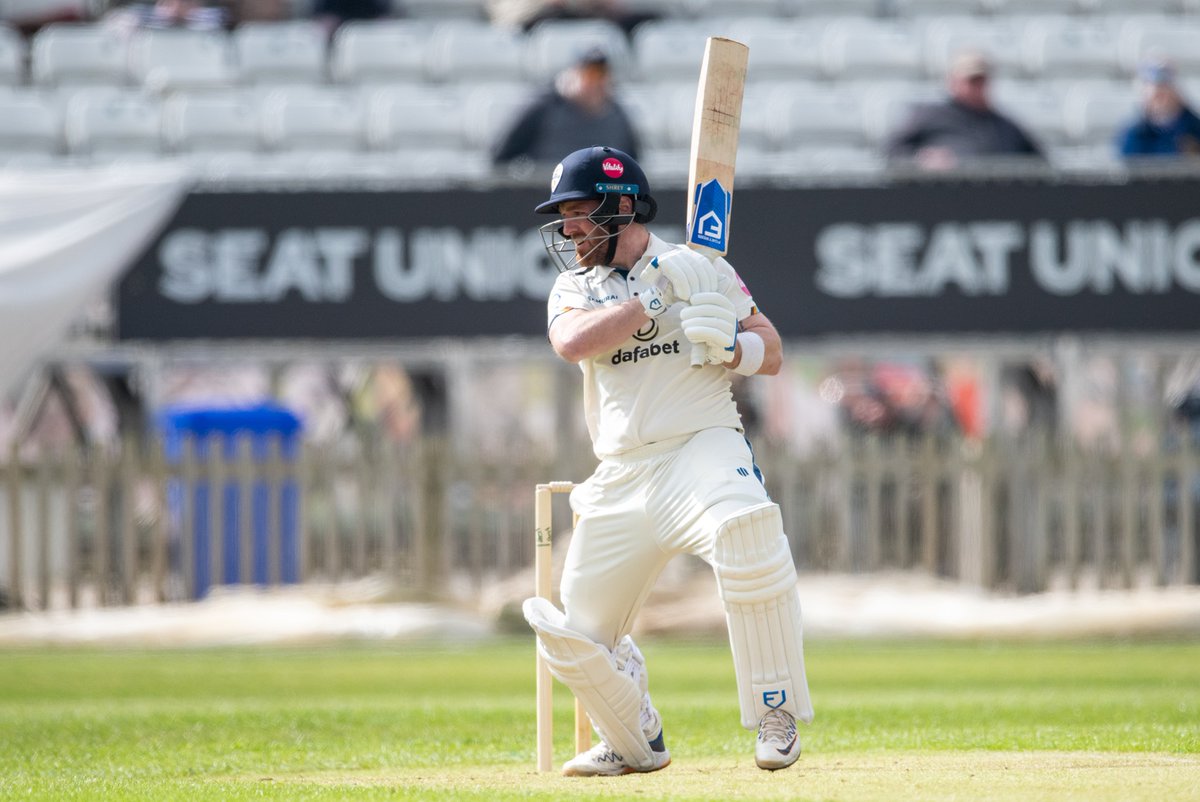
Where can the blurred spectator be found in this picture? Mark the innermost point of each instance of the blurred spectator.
(890, 398)
(200, 15)
(578, 111)
(1165, 126)
(963, 127)
(524, 14)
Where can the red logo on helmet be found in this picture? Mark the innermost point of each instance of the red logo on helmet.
(612, 168)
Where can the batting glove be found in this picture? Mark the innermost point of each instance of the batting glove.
(710, 320)
(686, 271)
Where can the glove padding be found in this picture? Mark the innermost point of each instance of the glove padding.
(710, 320)
(687, 272)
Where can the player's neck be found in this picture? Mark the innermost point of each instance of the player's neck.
(631, 245)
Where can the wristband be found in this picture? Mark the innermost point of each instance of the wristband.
(653, 301)
(753, 351)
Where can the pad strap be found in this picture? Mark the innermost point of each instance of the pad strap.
(611, 697)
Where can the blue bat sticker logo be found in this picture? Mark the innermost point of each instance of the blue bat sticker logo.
(710, 226)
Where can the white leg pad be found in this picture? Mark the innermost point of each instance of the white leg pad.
(757, 583)
(611, 697)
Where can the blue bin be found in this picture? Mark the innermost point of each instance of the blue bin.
(262, 424)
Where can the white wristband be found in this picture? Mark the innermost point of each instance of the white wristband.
(753, 351)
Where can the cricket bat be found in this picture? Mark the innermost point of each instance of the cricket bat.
(715, 128)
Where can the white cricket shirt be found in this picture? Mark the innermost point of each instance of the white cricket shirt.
(646, 391)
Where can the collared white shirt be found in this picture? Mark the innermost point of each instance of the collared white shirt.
(646, 391)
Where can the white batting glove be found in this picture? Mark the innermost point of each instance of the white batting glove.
(687, 272)
(653, 301)
(710, 320)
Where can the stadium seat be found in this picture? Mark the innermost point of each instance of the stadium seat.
(314, 120)
(678, 110)
(666, 167)
(741, 9)
(473, 52)
(859, 49)
(379, 51)
(225, 122)
(1129, 6)
(64, 54)
(12, 57)
(781, 49)
(554, 44)
(808, 116)
(1035, 106)
(1000, 39)
(492, 109)
(809, 161)
(1094, 116)
(1178, 40)
(922, 8)
(29, 124)
(852, 8)
(445, 9)
(106, 122)
(164, 61)
(643, 105)
(885, 109)
(1071, 48)
(668, 51)
(280, 52)
(1015, 8)
(435, 167)
(407, 116)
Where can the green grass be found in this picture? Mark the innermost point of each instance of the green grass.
(928, 721)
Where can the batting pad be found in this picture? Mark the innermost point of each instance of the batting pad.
(612, 698)
(757, 583)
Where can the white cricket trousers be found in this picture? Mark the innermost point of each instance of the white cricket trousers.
(638, 511)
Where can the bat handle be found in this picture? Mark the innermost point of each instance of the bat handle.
(699, 355)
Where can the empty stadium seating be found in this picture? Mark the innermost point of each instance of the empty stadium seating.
(432, 89)
(67, 54)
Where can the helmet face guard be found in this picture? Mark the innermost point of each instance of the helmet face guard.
(597, 173)
(607, 225)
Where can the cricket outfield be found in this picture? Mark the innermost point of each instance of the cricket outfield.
(920, 720)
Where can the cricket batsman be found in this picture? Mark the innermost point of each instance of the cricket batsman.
(676, 473)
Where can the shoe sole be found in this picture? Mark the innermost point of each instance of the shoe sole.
(621, 773)
(765, 766)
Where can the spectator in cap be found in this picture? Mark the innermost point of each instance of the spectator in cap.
(578, 111)
(962, 128)
(1165, 125)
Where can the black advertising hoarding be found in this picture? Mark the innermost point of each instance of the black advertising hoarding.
(908, 258)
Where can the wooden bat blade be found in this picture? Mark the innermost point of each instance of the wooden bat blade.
(715, 128)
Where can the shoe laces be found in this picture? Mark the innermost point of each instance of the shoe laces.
(603, 753)
(777, 725)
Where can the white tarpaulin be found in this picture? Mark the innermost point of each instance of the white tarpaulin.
(65, 236)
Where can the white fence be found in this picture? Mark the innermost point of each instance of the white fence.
(125, 525)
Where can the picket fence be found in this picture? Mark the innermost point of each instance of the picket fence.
(122, 524)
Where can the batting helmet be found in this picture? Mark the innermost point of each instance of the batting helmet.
(604, 173)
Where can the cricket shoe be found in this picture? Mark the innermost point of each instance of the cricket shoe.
(602, 761)
(778, 745)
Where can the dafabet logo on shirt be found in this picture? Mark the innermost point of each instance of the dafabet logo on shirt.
(645, 352)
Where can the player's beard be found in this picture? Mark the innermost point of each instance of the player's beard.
(592, 250)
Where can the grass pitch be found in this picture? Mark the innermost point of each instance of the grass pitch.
(895, 721)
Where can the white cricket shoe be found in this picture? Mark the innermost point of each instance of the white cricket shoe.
(601, 761)
(778, 745)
